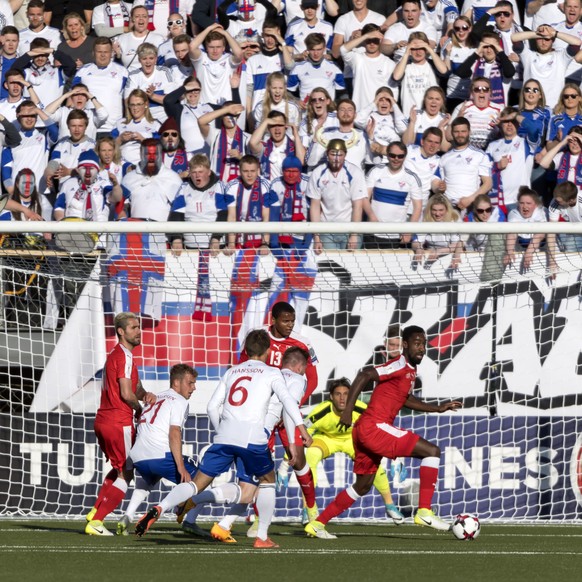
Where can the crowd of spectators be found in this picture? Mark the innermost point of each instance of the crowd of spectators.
(268, 111)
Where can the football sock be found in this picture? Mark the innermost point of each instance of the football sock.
(266, 499)
(139, 495)
(313, 455)
(112, 499)
(177, 495)
(382, 486)
(429, 472)
(343, 501)
(305, 479)
(237, 510)
(107, 482)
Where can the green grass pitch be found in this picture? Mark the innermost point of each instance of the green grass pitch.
(58, 550)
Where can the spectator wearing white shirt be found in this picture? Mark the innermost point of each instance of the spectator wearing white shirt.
(106, 81)
(176, 27)
(415, 72)
(349, 26)
(456, 50)
(530, 209)
(138, 126)
(567, 206)
(432, 114)
(571, 25)
(391, 189)
(316, 70)
(337, 190)
(371, 68)
(513, 158)
(277, 98)
(383, 121)
(16, 84)
(428, 248)
(465, 170)
(546, 64)
(111, 18)
(424, 160)
(126, 45)
(215, 66)
(159, 12)
(481, 113)
(37, 28)
(397, 36)
(155, 80)
(303, 25)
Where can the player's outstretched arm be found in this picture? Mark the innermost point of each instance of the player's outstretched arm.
(415, 403)
(364, 377)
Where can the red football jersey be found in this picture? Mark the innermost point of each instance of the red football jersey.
(280, 345)
(120, 364)
(396, 382)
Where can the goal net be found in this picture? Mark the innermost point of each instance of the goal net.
(503, 338)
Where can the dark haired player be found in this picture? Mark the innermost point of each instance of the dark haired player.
(375, 436)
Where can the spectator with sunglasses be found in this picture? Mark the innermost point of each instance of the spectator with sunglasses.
(481, 113)
(567, 114)
(391, 190)
(176, 28)
(482, 210)
(371, 68)
(490, 61)
(456, 50)
(159, 12)
(476, 9)
(185, 107)
(174, 155)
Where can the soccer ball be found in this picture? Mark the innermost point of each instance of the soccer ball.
(466, 527)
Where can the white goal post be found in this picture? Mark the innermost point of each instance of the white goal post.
(503, 337)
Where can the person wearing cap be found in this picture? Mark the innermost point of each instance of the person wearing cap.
(300, 26)
(86, 193)
(174, 155)
(273, 151)
(337, 189)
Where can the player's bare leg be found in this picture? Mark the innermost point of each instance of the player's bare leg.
(429, 470)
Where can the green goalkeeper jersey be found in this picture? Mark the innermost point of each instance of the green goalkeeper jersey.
(322, 420)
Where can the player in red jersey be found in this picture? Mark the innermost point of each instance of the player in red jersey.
(114, 423)
(375, 435)
(282, 338)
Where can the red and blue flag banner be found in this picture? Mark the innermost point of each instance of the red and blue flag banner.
(134, 270)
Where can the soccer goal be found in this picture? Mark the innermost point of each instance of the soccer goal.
(503, 331)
